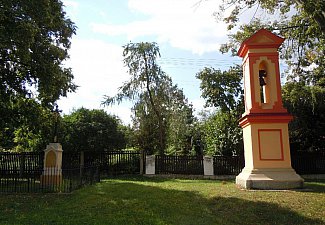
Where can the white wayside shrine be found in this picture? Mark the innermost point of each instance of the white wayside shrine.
(265, 121)
(52, 173)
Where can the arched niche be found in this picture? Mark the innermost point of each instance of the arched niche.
(264, 82)
(50, 159)
(265, 95)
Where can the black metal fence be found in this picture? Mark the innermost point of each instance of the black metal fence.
(308, 163)
(24, 172)
(114, 163)
(71, 160)
(108, 162)
(50, 180)
(193, 165)
(303, 163)
(228, 165)
(190, 165)
(25, 164)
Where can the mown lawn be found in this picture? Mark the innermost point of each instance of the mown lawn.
(138, 200)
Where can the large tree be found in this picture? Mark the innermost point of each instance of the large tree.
(91, 130)
(307, 104)
(141, 60)
(34, 41)
(223, 90)
(177, 119)
(157, 102)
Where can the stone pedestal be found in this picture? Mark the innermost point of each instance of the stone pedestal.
(208, 166)
(271, 179)
(267, 153)
(150, 164)
(52, 173)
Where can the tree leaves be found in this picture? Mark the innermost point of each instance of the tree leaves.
(34, 39)
(307, 104)
(221, 89)
(91, 130)
(301, 22)
(161, 111)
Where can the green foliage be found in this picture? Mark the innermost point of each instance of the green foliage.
(161, 111)
(302, 24)
(34, 41)
(220, 132)
(177, 119)
(146, 129)
(299, 21)
(222, 89)
(180, 121)
(145, 80)
(145, 74)
(222, 135)
(307, 104)
(91, 130)
(129, 136)
(25, 126)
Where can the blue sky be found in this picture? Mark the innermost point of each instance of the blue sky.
(187, 33)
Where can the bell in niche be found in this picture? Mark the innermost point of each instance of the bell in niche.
(262, 74)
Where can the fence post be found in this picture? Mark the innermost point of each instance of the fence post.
(150, 164)
(141, 161)
(21, 165)
(208, 166)
(82, 163)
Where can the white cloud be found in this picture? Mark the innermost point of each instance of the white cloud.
(200, 111)
(198, 104)
(123, 111)
(181, 23)
(72, 8)
(97, 65)
(73, 4)
(98, 70)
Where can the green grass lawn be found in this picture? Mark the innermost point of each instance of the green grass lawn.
(138, 200)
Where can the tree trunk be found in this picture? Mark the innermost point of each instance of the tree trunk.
(160, 119)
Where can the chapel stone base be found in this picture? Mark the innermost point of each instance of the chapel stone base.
(269, 179)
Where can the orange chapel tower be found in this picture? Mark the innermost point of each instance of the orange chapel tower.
(265, 121)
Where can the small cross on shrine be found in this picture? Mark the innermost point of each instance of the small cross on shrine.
(56, 122)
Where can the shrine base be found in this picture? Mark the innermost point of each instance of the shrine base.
(269, 179)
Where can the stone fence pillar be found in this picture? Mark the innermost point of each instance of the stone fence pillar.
(208, 166)
(150, 164)
(52, 172)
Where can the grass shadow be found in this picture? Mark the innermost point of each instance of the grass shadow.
(144, 202)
